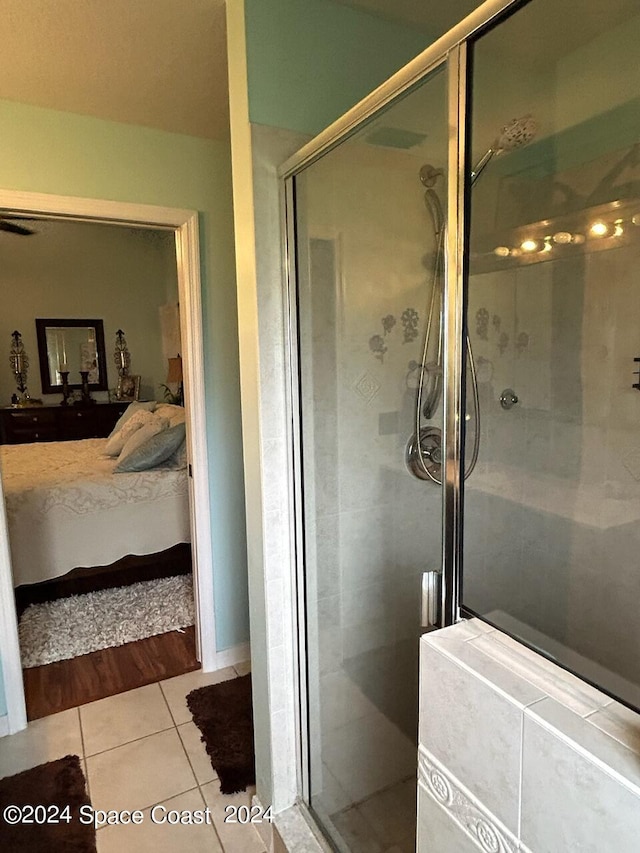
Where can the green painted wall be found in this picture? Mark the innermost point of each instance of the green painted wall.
(67, 154)
(309, 61)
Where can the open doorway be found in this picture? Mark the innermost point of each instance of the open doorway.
(159, 532)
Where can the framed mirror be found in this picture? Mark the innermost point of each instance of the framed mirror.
(71, 345)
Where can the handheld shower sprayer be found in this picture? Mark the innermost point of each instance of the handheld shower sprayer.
(423, 452)
(515, 134)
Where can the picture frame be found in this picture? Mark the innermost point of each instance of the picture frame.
(128, 388)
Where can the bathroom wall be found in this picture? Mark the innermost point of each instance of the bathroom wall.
(73, 269)
(309, 61)
(49, 151)
(518, 755)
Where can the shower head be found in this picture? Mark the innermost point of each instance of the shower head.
(515, 134)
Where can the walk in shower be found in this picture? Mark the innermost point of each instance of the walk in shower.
(465, 326)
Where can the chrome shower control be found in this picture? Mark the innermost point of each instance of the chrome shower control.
(425, 461)
(508, 398)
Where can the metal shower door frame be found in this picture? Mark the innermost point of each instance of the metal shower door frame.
(450, 51)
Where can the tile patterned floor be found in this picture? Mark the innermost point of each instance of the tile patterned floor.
(141, 749)
(370, 803)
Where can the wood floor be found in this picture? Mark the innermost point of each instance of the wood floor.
(69, 683)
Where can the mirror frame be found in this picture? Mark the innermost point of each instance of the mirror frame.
(41, 331)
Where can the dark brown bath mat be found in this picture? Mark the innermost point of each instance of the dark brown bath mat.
(224, 715)
(54, 785)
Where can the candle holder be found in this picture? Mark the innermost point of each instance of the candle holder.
(121, 354)
(87, 399)
(19, 361)
(64, 375)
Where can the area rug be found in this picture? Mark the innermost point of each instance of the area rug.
(224, 715)
(54, 785)
(69, 627)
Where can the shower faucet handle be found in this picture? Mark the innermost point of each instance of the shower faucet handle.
(431, 600)
(508, 398)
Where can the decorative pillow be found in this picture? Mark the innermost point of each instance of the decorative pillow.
(178, 460)
(131, 409)
(146, 449)
(175, 414)
(117, 440)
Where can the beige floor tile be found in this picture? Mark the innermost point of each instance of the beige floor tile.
(150, 837)
(119, 719)
(235, 837)
(176, 689)
(139, 774)
(356, 832)
(243, 668)
(43, 740)
(368, 755)
(391, 813)
(196, 753)
(333, 798)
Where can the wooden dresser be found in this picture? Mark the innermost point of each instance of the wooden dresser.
(58, 423)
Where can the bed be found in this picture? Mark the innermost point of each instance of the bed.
(66, 508)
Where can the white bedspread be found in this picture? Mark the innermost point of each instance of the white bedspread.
(66, 508)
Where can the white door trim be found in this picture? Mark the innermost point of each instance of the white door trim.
(185, 225)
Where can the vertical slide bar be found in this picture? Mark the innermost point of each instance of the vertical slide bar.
(454, 345)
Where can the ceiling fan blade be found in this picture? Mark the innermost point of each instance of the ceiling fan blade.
(12, 228)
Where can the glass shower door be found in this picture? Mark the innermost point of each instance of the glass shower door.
(369, 219)
(551, 533)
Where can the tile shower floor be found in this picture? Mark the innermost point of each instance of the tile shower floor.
(141, 749)
(371, 803)
(383, 823)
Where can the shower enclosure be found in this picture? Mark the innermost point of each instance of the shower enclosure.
(462, 251)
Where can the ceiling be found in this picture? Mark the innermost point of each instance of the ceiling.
(162, 63)
(156, 63)
(435, 17)
(575, 22)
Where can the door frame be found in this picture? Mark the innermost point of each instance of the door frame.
(184, 223)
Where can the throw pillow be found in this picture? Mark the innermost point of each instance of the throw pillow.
(131, 409)
(146, 450)
(117, 440)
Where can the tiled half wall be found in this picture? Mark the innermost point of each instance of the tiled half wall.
(516, 754)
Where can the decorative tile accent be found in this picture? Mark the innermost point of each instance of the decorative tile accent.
(482, 323)
(409, 319)
(473, 818)
(388, 323)
(503, 342)
(378, 346)
(367, 387)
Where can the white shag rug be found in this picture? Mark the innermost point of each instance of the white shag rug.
(74, 626)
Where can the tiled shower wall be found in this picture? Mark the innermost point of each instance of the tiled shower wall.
(383, 526)
(517, 755)
(372, 529)
(551, 512)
